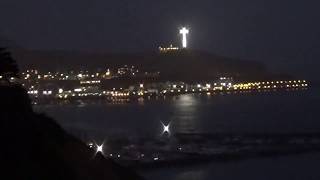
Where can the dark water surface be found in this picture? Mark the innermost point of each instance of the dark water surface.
(268, 112)
(278, 112)
(295, 167)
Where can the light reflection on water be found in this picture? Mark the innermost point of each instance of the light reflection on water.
(195, 174)
(185, 113)
(277, 112)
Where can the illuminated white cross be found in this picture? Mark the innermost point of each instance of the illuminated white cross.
(166, 128)
(184, 31)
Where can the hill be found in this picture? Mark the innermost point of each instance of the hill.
(181, 65)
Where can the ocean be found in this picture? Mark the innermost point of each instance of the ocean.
(268, 112)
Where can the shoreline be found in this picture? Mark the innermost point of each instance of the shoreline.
(123, 100)
(198, 161)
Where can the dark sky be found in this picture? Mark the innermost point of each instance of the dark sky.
(284, 34)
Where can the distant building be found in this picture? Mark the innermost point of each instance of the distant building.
(168, 49)
(127, 71)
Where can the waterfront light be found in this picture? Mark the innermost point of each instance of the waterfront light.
(47, 92)
(90, 145)
(100, 148)
(166, 128)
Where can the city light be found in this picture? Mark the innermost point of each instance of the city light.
(94, 87)
(108, 73)
(47, 92)
(91, 145)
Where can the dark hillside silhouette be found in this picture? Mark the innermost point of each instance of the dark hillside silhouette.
(8, 67)
(35, 147)
(183, 65)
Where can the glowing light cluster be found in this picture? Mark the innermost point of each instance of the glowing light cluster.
(168, 49)
(269, 85)
(90, 82)
(47, 92)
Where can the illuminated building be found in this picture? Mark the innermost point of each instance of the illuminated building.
(168, 49)
(127, 71)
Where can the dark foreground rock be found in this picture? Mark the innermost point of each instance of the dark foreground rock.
(35, 147)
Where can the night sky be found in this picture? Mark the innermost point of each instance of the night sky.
(284, 34)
